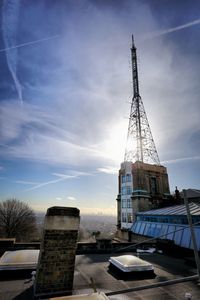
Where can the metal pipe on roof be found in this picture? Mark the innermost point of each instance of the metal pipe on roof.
(196, 255)
(154, 285)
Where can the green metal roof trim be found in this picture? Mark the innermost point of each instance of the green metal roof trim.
(141, 191)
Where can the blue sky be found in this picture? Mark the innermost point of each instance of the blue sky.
(65, 96)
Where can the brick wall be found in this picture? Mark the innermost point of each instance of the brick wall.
(55, 270)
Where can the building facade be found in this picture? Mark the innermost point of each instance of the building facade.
(141, 186)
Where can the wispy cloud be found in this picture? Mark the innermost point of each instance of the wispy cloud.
(9, 25)
(80, 173)
(108, 170)
(182, 159)
(45, 137)
(166, 31)
(61, 178)
(24, 182)
(29, 43)
(71, 198)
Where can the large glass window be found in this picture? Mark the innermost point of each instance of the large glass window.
(123, 178)
(129, 203)
(123, 203)
(128, 177)
(128, 190)
(123, 190)
(129, 217)
(123, 217)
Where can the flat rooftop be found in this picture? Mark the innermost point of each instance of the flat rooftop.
(18, 285)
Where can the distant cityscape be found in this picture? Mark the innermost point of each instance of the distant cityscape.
(91, 226)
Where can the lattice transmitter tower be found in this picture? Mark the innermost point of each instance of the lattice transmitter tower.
(142, 182)
(140, 144)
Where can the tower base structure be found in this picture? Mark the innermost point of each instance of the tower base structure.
(141, 186)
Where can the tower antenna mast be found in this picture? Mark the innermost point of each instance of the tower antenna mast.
(140, 144)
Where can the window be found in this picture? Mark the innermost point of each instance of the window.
(129, 217)
(123, 217)
(123, 203)
(129, 203)
(128, 177)
(153, 185)
(123, 190)
(128, 190)
(123, 178)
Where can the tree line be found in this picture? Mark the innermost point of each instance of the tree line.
(17, 220)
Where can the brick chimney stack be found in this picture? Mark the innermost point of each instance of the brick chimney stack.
(55, 269)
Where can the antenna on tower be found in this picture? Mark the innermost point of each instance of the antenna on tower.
(140, 144)
(133, 45)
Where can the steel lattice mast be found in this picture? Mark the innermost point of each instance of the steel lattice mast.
(140, 144)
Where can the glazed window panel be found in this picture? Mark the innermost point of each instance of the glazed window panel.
(123, 203)
(129, 203)
(128, 190)
(123, 190)
(123, 178)
(129, 217)
(123, 217)
(128, 177)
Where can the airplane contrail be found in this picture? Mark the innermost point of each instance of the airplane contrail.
(61, 178)
(166, 31)
(10, 18)
(177, 160)
(29, 43)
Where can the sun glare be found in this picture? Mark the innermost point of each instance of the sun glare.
(115, 144)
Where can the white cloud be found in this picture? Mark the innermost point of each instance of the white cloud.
(10, 18)
(29, 43)
(26, 182)
(108, 170)
(180, 27)
(182, 159)
(43, 138)
(80, 173)
(71, 198)
(64, 176)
